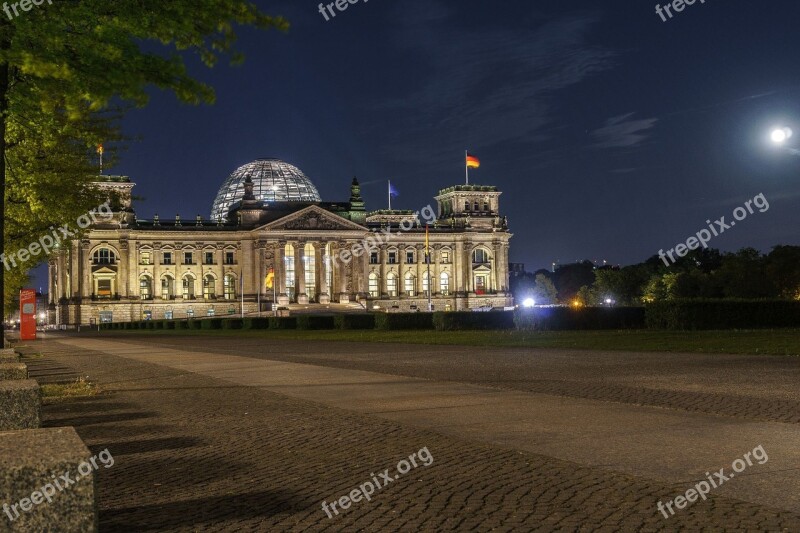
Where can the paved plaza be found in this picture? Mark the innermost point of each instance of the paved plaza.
(250, 434)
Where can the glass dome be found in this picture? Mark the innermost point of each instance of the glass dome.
(273, 181)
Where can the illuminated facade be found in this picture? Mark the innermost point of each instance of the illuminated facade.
(277, 242)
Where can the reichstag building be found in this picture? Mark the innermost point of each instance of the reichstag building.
(272, 240)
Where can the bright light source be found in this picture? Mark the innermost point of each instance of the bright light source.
(528, 302)
(608, 301)
(781, 135)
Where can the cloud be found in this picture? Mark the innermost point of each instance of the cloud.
(619, 132)
(482, 85)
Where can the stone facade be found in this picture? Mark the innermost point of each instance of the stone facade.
(308, 253)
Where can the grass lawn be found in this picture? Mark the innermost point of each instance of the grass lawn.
(775, 342)
(59, 392)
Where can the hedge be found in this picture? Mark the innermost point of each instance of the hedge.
(723, 314)
(583, 318)
(182, 324)
(211, 323)
(397, 321)
(282, 322)
(314, 322)
(232, 323)
(195, 324)
(467, 320)
(256, 323)
(361, 321)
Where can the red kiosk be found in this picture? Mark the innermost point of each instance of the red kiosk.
(27, 315)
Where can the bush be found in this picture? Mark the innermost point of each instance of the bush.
(195, 324)
(450, 321)
(314, 322)
(232, 323)
(723, 314)
(150, 324)
(211, 323)
(256, 323)
(182, 324)
(169, 324)
(398, 321)
(583, 318)
(282, 322)
(362, 321)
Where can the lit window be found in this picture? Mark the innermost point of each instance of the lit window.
(410, 285)
(444, 284)
(104, 256)
(374, 291)
(445, 257)
(229, 287)
(145, 258)
(480, 256)
(208, 288)
(145, 288)
(391, 285)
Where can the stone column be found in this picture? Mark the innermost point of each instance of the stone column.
(344, 294)
(122, 269)
(300, 272)
(86, 269)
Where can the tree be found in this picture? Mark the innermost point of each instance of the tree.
(69, 60)
(544, 292)
(569, 279)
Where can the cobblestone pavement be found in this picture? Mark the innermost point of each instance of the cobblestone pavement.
(750, 387)
(195, 453)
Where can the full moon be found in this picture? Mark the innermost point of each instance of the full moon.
(781, 135)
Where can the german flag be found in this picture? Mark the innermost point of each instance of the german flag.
(472, 161)
(270, 278)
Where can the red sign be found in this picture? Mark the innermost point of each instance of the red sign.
(27, 315)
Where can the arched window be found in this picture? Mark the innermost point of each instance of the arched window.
(410, 284)
(374, 290)
(104, 256)
(426, 283)
(167, 288)
(146, 288)
(466, 206)
(480, 256)
(391, 284)
(444, 284)
(209, 287)
(188, 287)
(229, 287)
(477, 206)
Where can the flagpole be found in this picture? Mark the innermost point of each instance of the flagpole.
(241, 289)
(466, 164)
(390, 194)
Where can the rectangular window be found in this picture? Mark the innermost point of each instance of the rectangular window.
(410, 258)
(104, 288)
(230, 258)
(373, 258)
(167, 258)
(188, 258)
(392, 258)
(144, 258)
(209, 258)
(445, 257)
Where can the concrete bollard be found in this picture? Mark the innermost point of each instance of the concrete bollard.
(20, 404)
(34, 493)
(13, 371)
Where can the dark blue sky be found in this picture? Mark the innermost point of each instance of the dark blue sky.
(611, 133)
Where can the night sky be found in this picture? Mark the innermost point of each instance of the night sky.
(612, 134)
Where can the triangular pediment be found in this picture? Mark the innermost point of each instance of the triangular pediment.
(312, 218)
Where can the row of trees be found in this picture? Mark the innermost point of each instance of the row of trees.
(67, 70)
(703, 273)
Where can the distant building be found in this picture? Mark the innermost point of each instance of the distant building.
(516, 270)
(270, 226)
